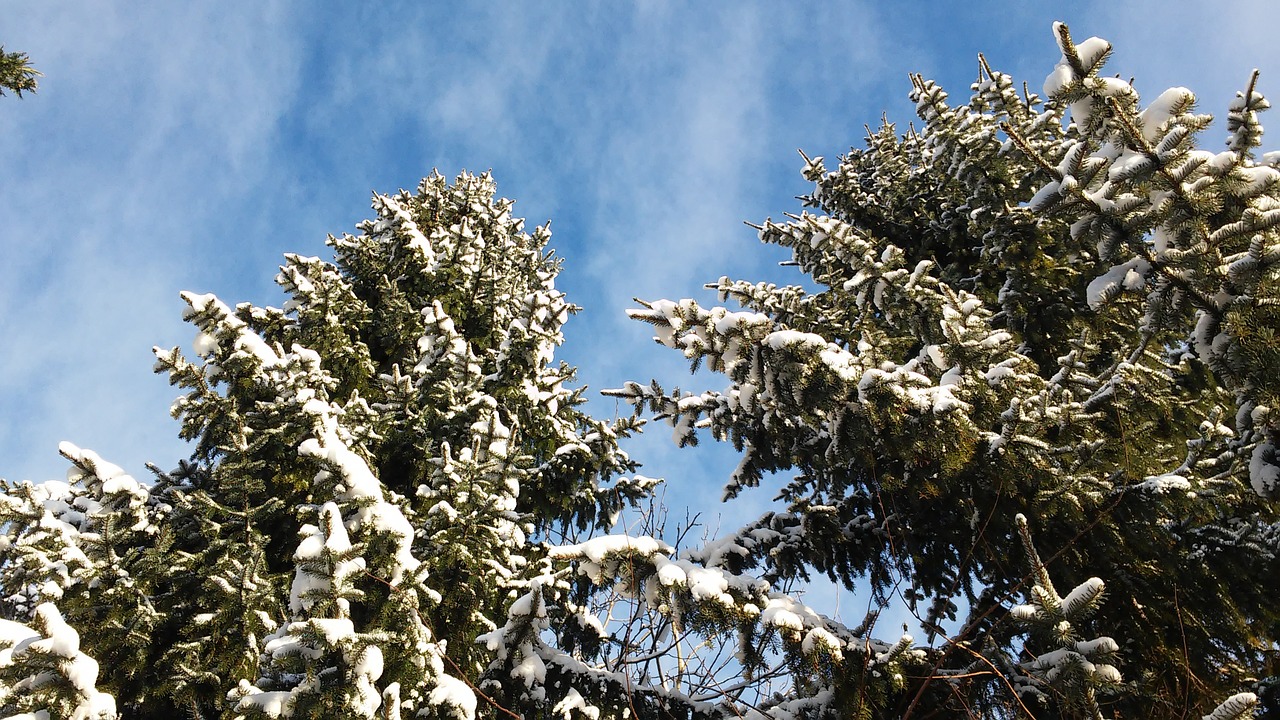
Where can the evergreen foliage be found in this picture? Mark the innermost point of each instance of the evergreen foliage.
(43, 670)
(16, 73)
(1056, 308)
(1036, 345)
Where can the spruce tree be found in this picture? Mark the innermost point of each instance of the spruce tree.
(376, 467)
(1057, 308)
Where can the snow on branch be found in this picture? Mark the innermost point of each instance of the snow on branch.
(43, 671)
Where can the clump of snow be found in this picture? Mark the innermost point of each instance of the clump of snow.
(1264, 473)
(205, 344)
(1164, 108)
(780, 339)
(786, 613)
(1236, 706)
(367, 667)
(821, 639)
(574, 705)
(1130, 275)
(1059, 79)
(1092, 51)
(1129, 164)
(1026, 613)
(1258, 179)
(1045, 195)
(329, 539)
(13, 634)
(273, 704)
(1160, 484)
(531, 670)
(450, 692)
(1081, 597)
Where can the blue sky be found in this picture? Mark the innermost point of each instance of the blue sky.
(177, 146)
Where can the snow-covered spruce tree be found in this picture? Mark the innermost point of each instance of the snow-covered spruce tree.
(376, 466)
(1059, 308)
(384, 449)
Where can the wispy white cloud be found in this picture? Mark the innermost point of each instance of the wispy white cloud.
(148, 125)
